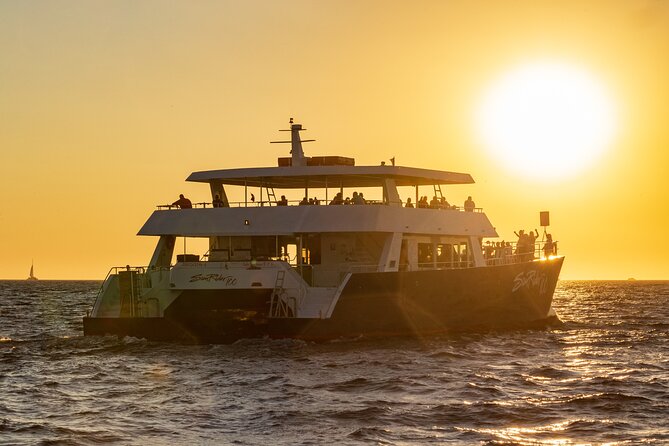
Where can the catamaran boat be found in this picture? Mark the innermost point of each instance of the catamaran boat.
(320, 270)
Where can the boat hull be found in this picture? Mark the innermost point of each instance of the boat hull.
(416, 303)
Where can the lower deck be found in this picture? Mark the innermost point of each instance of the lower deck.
(369, 304)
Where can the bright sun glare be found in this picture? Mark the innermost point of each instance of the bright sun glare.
(547, 120)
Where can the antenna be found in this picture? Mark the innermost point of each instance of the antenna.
(295, 143)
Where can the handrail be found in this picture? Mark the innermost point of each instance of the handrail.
(510, 252)
(114, 270)
(271, 203)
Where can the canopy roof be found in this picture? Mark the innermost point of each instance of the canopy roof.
(297, 177)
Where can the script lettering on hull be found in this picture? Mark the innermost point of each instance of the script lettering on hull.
(226, 280)
(530, 280)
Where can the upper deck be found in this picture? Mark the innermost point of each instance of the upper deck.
(324, 172)
(295, 177)
(245, 201)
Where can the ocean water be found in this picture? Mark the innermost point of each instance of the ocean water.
(600, 377)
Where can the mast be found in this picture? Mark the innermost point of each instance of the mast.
(298, 158)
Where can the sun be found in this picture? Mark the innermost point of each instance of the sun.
(546, 120)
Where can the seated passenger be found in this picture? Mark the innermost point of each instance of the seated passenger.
(283, 201)
(357, 198)
(183, 202)
(409, 203)
(337, 199)
(217, 203)
(316, 201)
(304, 202)
(443, 204)
(434, 203)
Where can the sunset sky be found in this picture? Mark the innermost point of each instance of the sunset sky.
(106, 107)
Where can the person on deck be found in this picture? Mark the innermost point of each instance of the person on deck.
(183, 202)
(283, 201)
(217, 203)
(531, 239)
(521, 243)
(337, 199)
(550, 247)
(469, 204)
(409, 203)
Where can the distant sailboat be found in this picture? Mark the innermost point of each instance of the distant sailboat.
(32, 275)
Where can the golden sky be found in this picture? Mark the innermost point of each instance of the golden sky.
(106, 107)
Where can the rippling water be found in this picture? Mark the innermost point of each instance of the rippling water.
(601, 377)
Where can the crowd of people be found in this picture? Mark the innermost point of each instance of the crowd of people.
(439, 203)
(357, 198)
(526, 248)
(498, 253)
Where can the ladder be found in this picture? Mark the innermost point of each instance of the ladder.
(271, 197)
(437, 191)
(279, 306)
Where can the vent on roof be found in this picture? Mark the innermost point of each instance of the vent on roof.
(321, 161)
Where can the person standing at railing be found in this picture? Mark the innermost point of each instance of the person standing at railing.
(183, 202)
(550, 247)
(522, 240)
(469, 204)
(531, 239)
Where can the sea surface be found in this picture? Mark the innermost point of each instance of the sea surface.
(600, 377)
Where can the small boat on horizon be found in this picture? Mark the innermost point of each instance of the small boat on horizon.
(32, 274)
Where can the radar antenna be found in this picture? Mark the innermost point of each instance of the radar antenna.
(295, 143)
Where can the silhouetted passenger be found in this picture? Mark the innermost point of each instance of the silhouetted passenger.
(531, 239)
(443, 204)
(469, 204)
(337, 199)
(550, 247)
(316, 201)
(283, 201)
(217, 203)
(434, 203)
(520, 244)
(489, 250)
(183, 202)
(304, 202)
(409, 203)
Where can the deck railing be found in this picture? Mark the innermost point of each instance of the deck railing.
(242, 204)
(512, 253)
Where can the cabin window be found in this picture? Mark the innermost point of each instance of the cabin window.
(453, 255)
(425, 255)
(263, 248)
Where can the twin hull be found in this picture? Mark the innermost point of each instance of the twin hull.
(411, 303)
